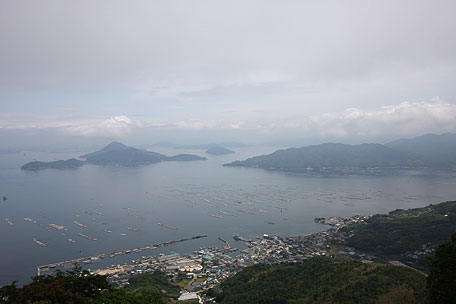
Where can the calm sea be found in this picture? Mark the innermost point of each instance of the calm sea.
(171, 200)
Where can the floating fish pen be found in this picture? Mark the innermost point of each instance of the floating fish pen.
(79, 224)
(28, 219)
(226, 213)
(9, 221)
(39, 242)
(58, 227)
(87, 237)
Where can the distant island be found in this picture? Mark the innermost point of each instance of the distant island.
(212, 145)
(114, 153)
(184, 157)
(58, 164)
(336, 157)
(119, 154)
(218, 150)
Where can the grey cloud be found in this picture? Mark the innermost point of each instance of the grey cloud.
(55, 43)
(232, 66)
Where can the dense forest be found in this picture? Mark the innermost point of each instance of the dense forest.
(327, 280)
(323, 280)
(401, 231)
(79, 286)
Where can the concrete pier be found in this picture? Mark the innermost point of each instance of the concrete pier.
(96, 258)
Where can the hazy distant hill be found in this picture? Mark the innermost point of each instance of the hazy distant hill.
(196, 147)
(118, 154)
(331, 156)
(435, 150)
(230, 144)
(218, 150)
(114, 146)
(59, 164)
(125, 157)
(427, 151)
(184, 157)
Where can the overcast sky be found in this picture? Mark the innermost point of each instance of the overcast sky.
(147, 71)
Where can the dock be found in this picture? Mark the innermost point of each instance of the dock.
(224, 241)
(96, 258)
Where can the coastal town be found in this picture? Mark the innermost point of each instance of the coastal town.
(206, 267)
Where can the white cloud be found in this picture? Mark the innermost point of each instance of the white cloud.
(115, 127)
(197, 125)
(406, 118)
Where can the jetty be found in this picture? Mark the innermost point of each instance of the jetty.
(224, 241)
(237, 237)
(98, 257)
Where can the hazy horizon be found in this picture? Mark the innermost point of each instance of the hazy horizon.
(81, 74)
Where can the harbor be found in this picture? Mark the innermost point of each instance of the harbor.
(91, 259)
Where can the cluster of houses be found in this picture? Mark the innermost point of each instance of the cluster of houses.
(209, 266)
(425, 250)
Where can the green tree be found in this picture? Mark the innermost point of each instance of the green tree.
(442, 278)
(398, 295)
(75, 286)
(118, 296)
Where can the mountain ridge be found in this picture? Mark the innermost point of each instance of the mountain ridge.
(405, 153)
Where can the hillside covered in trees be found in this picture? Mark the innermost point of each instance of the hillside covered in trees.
(78, 286)
(323, 280)
(398, 234)
(414, 153)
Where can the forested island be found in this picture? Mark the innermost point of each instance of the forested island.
(114, 153)
(340, 158)
(119, 154)
(58, 164)
(218, 150)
